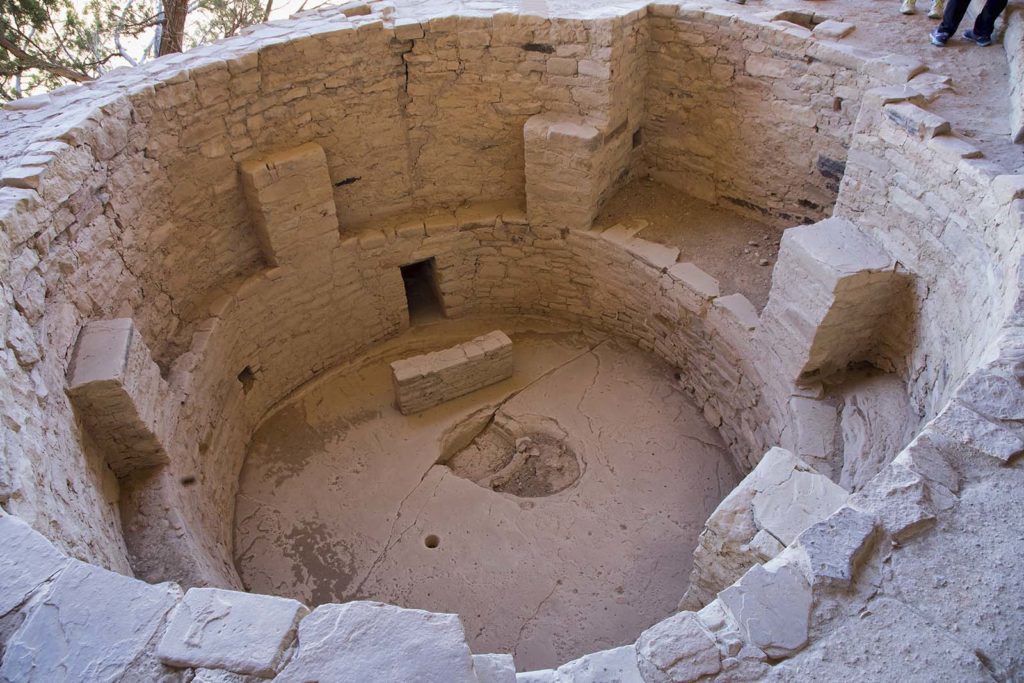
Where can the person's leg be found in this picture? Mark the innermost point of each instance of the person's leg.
(986, 21)
(954, 14)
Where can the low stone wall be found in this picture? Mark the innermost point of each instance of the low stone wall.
(430, 379)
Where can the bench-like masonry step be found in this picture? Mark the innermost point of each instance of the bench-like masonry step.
(424, 381)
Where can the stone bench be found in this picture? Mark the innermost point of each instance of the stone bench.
(427, 380)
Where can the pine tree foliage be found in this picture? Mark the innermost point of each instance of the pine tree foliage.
(45, 44)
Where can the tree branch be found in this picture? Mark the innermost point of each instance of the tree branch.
(31, 62)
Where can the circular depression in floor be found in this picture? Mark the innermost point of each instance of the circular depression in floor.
(556, 512)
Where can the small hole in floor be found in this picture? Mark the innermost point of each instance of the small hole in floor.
(432, 541)
(247, 377)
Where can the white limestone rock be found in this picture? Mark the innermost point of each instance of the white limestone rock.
(220, 676)
(833, 29)
(371, 641)
(677, 650)
(993, 394)
(772, 607)
(790, 507)
(887, 641)
(238, 632)
(494, 668)
(815, 425)
(540, 676)
(781, 497)
(875, 424)
(26, 562)
(836, 545)
(978, 432)
(927, 455)
(900, 499)
(618, 665)
(96, 626)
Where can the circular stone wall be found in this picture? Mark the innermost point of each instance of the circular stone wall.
(186, 244)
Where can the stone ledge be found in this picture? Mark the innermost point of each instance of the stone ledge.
(117, 389)
(237, 632)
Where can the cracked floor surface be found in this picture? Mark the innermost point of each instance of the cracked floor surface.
(340, 493)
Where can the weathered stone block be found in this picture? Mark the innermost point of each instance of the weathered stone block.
(978, 432)
(766, 511)
(117, 389)
(833, 291)
(26, 562)
(618, 665)
(291, 202)
(835, 545)
(677, 650)
(239, 632)
(370, 641)
(772, 608)
(899, 497)
(494, 668)
(94, 625)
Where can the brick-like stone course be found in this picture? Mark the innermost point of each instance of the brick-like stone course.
(427, 380)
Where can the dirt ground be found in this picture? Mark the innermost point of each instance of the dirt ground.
(556, 512)
(736, 250)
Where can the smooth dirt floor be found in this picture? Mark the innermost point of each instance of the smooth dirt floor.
(341, 498)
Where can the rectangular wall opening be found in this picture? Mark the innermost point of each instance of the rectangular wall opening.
(422, 293)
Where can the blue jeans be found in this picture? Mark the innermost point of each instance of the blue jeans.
(983, 25)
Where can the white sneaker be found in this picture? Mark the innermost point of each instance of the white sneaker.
(938, 6)
(908, 6)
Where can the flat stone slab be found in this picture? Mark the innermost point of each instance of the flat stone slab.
(835, 545)
(239, 632)
(27, 560)
(617, 665)
(677, 650)
(94, 625)
(801, 500)
(494, 668)
(773, 608)
(371, 641)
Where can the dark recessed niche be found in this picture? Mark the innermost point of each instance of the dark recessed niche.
(247, 377)
(422, 293)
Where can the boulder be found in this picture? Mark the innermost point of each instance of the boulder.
(371, 641)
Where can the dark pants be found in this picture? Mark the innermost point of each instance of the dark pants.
(983, 25)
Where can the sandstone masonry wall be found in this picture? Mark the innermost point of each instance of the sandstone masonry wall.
(125, 200)
(940, 210)
(790, 99)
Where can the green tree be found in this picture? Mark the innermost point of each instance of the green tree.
(48, 43)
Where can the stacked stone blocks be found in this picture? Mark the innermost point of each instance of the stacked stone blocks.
(427, 380)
